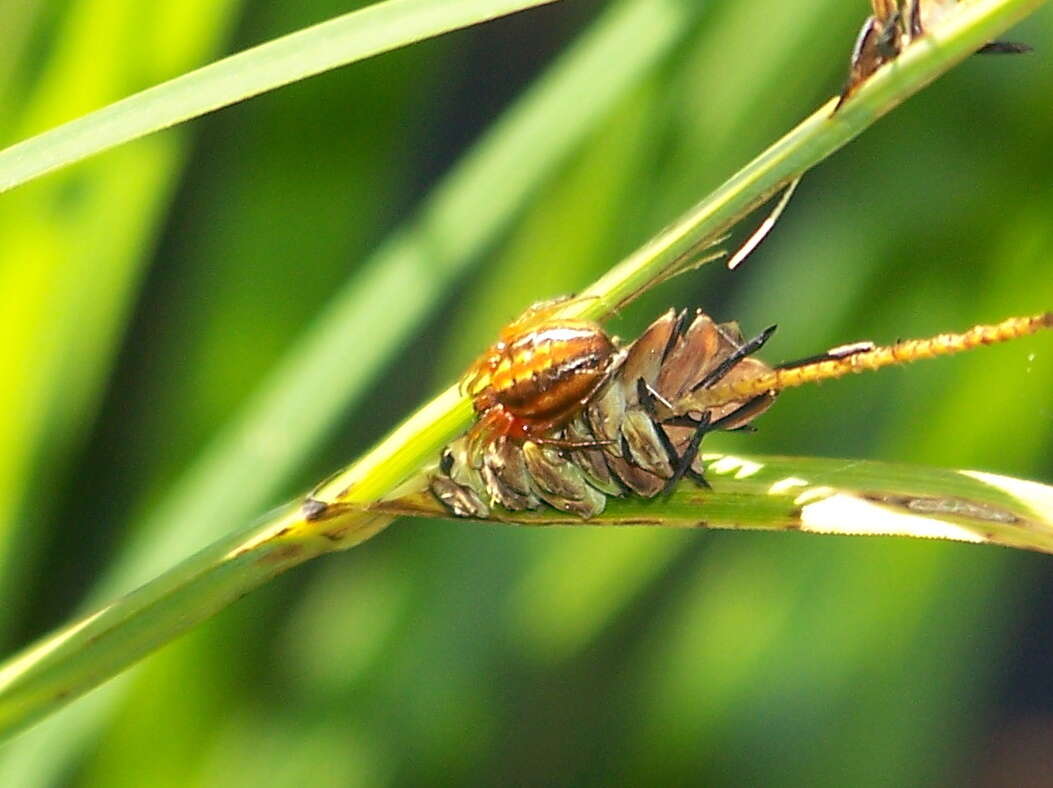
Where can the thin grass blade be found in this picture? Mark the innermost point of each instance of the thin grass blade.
(337, 42)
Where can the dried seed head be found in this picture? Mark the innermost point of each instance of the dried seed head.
(634, 449)
(506, 478)
(645, 356)
(591, 461)
(561, 483)
(461, 499)
(645, 446)
(681, 379)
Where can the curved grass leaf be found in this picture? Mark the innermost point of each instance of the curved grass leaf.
(337, 42)
(82, 256)
(823, 496)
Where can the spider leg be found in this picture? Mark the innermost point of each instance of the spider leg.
(490, 425)
(680, 421)
(864, 61)
(887, 41)
(753, 407)
(1004, 48)
(877, 44)
(834, 354)
(916, 28)
(687, 459)
(650, 399)
(728, 364)
(750, 409)
(541, 311)
(678, 331)
(698, 479)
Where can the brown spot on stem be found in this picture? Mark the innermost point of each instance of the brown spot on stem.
(281, 554)
(946, 506)
(336, 534)
(315, 511)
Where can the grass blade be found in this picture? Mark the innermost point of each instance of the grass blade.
(826, 496)
(81, 257)
(103, 643)
(337, 42)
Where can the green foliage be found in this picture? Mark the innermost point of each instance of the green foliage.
(434, 655)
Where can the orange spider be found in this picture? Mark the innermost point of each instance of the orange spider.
(538, 375)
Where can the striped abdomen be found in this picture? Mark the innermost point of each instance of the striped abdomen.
(546, 374)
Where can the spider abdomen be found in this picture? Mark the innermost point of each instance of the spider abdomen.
(545, 374)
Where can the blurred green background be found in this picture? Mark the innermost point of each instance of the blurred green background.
(146, 294)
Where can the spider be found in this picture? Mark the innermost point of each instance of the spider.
(538, 375)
